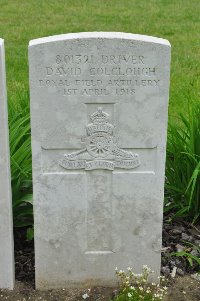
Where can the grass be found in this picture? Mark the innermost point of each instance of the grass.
(178, 21)
(20, 159)
(183, 164)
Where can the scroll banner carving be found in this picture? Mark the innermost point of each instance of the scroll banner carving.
(100, 144)
(100, 164)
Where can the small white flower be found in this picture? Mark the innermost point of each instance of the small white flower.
(162, 278)
(132, 287)
(129, 295)
(146, 268)
(129, 269)
(116, 269)
(85, 296)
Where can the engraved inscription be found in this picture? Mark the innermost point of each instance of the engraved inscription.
(103, 75)
(100, 143)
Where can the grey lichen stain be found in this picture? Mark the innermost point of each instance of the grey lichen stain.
(149, 142)
(56, 243)
(139, 231)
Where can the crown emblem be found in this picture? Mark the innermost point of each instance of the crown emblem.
(99, 123)
(99, 116)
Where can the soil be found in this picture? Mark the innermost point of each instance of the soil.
(181, 288)
(184, 289)
(24, 257)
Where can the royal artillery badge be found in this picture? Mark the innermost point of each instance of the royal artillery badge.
(101, 150)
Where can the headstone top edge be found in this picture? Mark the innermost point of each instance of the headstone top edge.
(108, 35)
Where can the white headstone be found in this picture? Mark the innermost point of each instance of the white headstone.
(99, 105)
(6, 223)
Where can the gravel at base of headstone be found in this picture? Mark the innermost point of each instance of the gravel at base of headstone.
(99, 105)
(6, 223)
(174, 243)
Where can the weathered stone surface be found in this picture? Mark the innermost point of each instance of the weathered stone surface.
(99, 117)
(6, 224)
